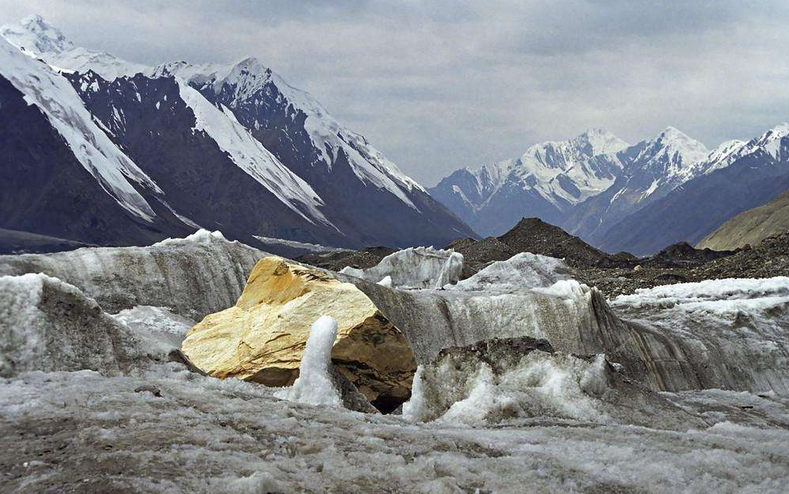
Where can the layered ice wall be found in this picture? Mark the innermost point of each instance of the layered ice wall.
(518, 297)
(723, 338)
(417, 267)
(49, 325)
(194, 276)
(727, 334)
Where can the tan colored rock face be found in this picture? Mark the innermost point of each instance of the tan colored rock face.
(263, 336)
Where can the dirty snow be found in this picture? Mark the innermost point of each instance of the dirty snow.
(83, 431)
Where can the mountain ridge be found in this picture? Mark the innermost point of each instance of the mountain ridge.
(344, 190)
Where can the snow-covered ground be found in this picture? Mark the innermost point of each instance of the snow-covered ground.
(85, 432)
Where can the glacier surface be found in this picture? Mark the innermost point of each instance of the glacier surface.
(91, 402)
(416, 267)
(193, 276)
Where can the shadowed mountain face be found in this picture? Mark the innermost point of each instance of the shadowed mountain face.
(224, 147)
(199, 179)
(366, 196)
(45, 189)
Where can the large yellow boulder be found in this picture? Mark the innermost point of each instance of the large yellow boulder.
(262, 337)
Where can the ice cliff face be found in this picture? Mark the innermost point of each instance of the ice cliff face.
(716, 329)
(680, 337)
(194, 276)
(49, 325)
(665, 348)
(418, 267)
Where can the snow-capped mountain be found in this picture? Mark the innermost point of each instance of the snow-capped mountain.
(39, 39)
(66, 113)
(749, 175)
(367, 193)
(242, 86)
(547, 180)
(62, 174)
(235, 148)
(650, 169)
(592, 183)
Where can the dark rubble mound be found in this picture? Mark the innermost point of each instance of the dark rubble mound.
(769, 258)
(335, 261)
(538, 237)
(683, 254)
(479, 253)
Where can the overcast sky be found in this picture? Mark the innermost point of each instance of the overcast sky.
(441, 84)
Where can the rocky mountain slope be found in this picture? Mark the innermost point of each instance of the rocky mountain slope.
(62, 174)
(751, 227)
(195, 139)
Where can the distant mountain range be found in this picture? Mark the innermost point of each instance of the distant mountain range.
(619, 197)
(97, 150)
(104, 151)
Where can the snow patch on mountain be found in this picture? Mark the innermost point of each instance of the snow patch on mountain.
(252, 157)
(59, 102)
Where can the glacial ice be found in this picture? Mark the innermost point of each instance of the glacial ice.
(416, 267)
(161, 330)
(732, 332)
(194, 276)
(314, 386)
(48, 325)
(551, 422)
(668, 338)
(521, 272)
(503, 300)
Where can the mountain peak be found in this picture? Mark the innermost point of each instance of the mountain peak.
(33, 19)
(251, 63)
(675, 139)
(673, 132)
(781, 130)
(36, 36)
(600, 141)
